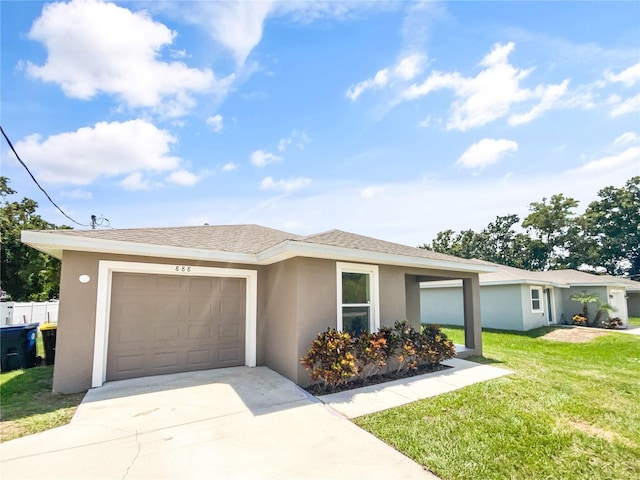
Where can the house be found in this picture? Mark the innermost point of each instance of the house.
(516, 299)
(138, 302)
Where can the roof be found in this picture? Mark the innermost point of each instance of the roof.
(504, 275)
(243, 244)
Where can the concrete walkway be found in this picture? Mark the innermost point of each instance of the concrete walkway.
(235, 423)
(374, 398)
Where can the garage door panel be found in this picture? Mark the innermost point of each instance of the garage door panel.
(167, 324)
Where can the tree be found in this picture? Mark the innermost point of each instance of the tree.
(26, 274)
(612, 229)
(553, 228)
(498, 242)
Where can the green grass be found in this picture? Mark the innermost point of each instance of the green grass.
(570, 411)
(27, 405)
(635, 321)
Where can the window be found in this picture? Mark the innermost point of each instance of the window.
(536, 299)
(357, 297)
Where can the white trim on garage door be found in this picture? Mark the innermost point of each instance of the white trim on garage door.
(105, 273)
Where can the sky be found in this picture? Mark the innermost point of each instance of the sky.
(395, 120)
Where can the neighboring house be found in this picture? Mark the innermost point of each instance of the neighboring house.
(149, 301)
(516, 299)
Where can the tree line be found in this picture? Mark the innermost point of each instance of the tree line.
(605, 238)
(25, 273)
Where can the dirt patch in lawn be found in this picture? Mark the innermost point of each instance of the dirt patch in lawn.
(573, 335)
(600, 432)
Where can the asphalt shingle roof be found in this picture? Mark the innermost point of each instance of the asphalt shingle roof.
(252, 239)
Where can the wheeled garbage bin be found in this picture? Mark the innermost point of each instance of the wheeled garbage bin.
(18, 346)
(49, 331)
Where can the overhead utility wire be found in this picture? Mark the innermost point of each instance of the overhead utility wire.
(36, 181)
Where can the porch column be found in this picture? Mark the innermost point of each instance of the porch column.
(472, 325)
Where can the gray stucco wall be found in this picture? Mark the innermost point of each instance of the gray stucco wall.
(571, 307)
(633, 304)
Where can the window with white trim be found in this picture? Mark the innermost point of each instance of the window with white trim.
(536, 299)
(358, 306)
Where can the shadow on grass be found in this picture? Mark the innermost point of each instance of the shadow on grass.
(24, 393)
(483, 360)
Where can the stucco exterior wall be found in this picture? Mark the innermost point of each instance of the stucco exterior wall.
(531, 319)
(443, 306)
(633, 304)
(279, 317)
(77, 314)
(571, 307)
(500, 306)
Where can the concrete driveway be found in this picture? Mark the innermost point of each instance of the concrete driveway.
(218, 424)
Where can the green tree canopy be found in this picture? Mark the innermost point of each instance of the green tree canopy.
(26, 273)
(606, 236)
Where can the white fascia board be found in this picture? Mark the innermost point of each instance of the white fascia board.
(290, 249)
(458, 283)
(606, 285)
(49, 242)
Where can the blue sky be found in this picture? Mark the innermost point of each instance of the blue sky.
(389, 119)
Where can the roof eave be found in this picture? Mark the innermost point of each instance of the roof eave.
(55, 244)
(289, 249)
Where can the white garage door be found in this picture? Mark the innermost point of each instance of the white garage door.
(167, 324)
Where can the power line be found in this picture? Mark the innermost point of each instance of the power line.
(36, 181)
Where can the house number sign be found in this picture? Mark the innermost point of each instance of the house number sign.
(183, 268)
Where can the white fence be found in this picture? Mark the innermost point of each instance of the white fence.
(18, 313)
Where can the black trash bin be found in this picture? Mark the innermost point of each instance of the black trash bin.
(18, 346)
(49, 331)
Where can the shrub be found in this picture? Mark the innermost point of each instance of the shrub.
(435, 345)
(579, 320)
(372, 353)
(612, 322)
(335, 357)
(331, 359)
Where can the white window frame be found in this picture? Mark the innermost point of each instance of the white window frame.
(374, 292)
(540, 300)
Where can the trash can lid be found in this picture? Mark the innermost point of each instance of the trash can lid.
(48, 326)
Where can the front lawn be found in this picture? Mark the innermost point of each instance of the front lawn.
(27, 405)
(635, 321)
(570, 411)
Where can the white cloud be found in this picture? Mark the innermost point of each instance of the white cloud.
(230, 167)
(135, 181)
(626, 138)
(405, 70)
(215, 122)
(104, 150)
(237, 26)
(261, 158)
(96, 47)
(629, 158)
(627, 77)
(425, 122)
(629, 105)
(549, 97)
(491, 94)
(298, 139)
(268, 183)
(486, 152)
(183, 177)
